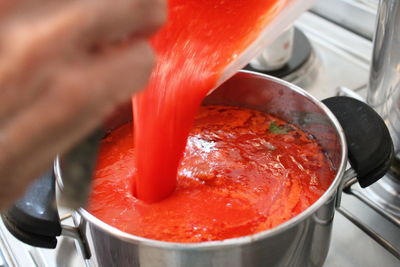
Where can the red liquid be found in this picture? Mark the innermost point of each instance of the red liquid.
(199, 40)
(242, 172)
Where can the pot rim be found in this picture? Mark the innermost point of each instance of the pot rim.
(238, 240)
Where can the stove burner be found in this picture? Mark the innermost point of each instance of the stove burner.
(300, 68)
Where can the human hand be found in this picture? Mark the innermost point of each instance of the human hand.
(64, 67)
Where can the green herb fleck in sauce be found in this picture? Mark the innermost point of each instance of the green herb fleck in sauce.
(276, 129)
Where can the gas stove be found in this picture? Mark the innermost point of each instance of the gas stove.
(338, 65)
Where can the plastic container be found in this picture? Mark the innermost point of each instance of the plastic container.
(291, 11)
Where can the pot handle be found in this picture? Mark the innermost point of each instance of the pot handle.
(370, 147)
(34, 218)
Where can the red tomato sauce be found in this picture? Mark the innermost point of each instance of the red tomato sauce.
(200, 39)
(242, 172)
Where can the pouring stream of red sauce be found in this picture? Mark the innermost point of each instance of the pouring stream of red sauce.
(200, 39)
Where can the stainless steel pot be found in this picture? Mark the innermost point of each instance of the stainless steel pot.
(302, 241)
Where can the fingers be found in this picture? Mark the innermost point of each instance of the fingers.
(55, 88)
(81, 97)
(108, 78)
(10, 8)
(85, 21)
(33, 46)
(113, 20)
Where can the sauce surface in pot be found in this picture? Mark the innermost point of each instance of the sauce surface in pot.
(243, 171)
